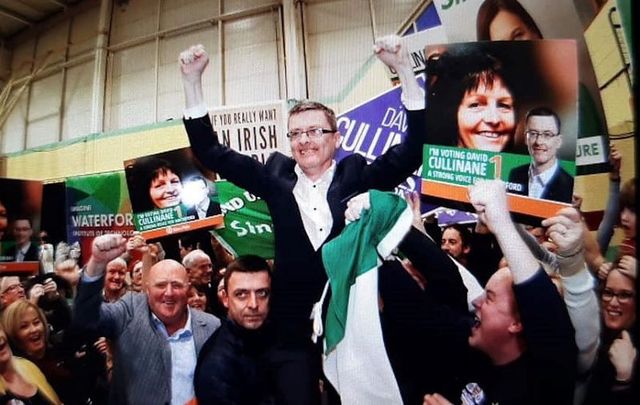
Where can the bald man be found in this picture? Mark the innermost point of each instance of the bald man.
(157, 337)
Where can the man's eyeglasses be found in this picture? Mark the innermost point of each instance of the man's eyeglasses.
(623, 296)
(544, 135)
(312, 133)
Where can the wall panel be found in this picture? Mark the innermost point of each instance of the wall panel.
(170, 93)
(133, 19)
(178, 13)
(132, 87)
(339, 40)
(15, 127)
(251, 59)
(77, 101)
(84, 31)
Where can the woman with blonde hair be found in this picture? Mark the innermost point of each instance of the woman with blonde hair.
(27, 331)
(22, 380)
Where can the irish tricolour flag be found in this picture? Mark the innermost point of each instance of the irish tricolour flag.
(355, 359)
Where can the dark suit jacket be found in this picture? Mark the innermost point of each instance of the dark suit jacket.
(559, 188)
(299, 275)
(32, 255)
(213, 209)
(142, 358)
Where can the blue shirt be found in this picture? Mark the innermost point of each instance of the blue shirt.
(183, 360)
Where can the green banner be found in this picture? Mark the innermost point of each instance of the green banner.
(463, 167)
(97, 204)
(248, 227)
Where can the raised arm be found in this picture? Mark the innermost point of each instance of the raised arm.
(567, 233)
(400, 161)
(392, 51)
(490, 201)
(193, 62)
(87, 314)
(241, 170)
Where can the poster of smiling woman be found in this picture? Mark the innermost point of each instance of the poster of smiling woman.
(169, 194)
(505, 110)
(531, 20)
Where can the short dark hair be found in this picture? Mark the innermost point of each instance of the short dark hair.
(543, 112)
(246, 264)
(306, 105)
(490, 8)
(24, 218)
(465, 234)
(188, 241)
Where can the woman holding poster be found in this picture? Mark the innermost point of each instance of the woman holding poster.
(471, 102)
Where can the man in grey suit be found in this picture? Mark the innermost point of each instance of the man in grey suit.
(156, 336)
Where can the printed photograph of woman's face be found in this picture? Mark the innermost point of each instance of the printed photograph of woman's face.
(486, 116)
(165, 188)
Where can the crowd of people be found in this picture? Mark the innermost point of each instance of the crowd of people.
(502, 313)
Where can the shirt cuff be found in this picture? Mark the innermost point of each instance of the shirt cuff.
(579, 282)
(413, 104)
(198, 111)
(89, 279)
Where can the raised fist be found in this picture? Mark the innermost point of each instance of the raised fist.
(193, 61)
(392, 51)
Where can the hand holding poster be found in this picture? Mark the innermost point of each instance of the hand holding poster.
(502, 110)
(170, 195)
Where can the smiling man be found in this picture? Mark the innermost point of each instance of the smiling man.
(232, 366)
(544, 178)
(157, 337)
(306, 196)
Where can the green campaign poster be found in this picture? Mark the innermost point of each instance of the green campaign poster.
(97, 204)
(248, 227)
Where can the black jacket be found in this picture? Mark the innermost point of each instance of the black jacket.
(299, 275)
(232, 368)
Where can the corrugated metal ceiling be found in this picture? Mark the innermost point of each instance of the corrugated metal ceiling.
(19, 15)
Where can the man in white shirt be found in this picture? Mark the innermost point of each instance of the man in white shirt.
(307, 196)
(544, 178)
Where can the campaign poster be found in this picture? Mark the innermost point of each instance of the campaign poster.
(97, 204)
(170, 194)
(371, 128)
(20, 218)
(248, 228)
(502, 110)
(491, 20)
(255, 130)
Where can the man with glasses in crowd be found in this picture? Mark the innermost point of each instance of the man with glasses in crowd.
(307, 197)
(544, 178)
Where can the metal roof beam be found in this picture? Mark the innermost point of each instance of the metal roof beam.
(15, 16)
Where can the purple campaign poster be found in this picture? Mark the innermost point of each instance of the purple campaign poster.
(372, 127)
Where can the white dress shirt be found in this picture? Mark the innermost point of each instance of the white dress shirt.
(537, 182)
(311, 198)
